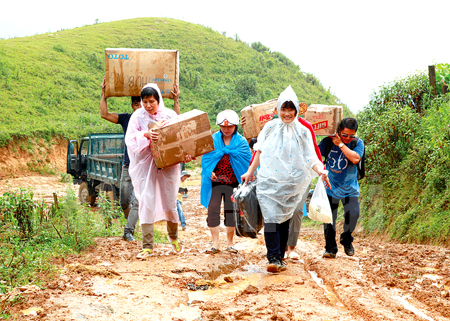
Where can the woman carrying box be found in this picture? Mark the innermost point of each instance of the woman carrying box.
(155, 189)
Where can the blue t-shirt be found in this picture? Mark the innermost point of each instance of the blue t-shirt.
(343, 174)
(123, 121)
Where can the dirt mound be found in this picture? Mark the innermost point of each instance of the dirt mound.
(26, 156)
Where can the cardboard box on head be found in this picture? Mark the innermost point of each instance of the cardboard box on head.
(256, 116)
(324, 119)
(260, 114)
(186, 134)
(127, 71)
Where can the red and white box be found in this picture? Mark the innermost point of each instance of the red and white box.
(324, 119)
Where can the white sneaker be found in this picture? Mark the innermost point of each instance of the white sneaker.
(294, 256)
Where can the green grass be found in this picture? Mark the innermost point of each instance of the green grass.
(50, 83)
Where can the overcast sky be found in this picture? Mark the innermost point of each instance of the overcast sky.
(351, 46)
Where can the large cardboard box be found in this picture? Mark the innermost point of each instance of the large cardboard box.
(127, 71)
(324, 119)
(186, 134)
(256, 116)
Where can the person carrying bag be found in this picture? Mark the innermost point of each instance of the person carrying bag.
(285, 154)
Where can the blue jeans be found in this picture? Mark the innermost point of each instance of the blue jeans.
(181, 214)
(276, 237)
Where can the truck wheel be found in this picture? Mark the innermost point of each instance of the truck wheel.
(110, 191)
(83, 195)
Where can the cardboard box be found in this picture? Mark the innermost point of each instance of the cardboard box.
(256, 116)
(324, 119)
(186, 134)
(127, 71)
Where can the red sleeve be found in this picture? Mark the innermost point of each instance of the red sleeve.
(253, 157)
(308, 125)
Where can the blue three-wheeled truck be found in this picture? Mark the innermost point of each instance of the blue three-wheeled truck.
(95, 163)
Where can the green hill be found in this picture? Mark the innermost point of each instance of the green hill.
(50, 83)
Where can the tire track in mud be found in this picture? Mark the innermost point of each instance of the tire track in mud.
(383, 281)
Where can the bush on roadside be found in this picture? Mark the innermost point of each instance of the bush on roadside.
(33, 233)
(406, 190)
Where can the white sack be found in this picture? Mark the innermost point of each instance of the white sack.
(319, 206)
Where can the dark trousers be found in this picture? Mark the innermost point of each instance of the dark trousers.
(218, 193)
(276, 237)
(351, 215)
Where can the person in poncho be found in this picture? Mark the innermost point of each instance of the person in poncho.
(221, 172)
(287, 160)
(155, 189)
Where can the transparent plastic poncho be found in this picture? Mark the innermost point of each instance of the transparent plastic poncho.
(286, 161)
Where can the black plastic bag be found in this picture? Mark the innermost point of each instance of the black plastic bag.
(247, 213)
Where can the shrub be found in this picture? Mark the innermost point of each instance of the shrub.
(406, 132)
(388, 136)
(258, 46)
(442, 76)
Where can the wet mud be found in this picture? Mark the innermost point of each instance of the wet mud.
(383, 281)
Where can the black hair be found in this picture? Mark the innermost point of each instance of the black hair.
(135, 99)
(350, 123)
(235, 129)
(253, 141)
(148, 92)
(289, 104)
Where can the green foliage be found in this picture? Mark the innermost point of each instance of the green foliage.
(109, 209)
(412, 91)
(442, 76)
(388, 137)
(246, 86)
(65, 177)
(33, 233)
(17, 208)
(51, 82)
(407, 190)
(197, 163)
(258, 46)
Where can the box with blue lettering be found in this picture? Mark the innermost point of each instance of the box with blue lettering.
(127, 71)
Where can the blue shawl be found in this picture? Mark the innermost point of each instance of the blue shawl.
(240, 156)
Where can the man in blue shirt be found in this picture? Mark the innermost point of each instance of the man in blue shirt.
(341, 162)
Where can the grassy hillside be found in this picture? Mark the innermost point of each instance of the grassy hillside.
(50, 83)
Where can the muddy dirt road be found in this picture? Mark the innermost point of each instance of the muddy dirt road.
(383, 281)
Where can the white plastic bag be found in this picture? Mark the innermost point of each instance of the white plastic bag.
(319, 206)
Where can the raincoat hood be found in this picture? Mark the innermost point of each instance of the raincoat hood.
(287, 95)
(163, 113)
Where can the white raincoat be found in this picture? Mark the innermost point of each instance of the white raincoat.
(156, 189)
(286, 161)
